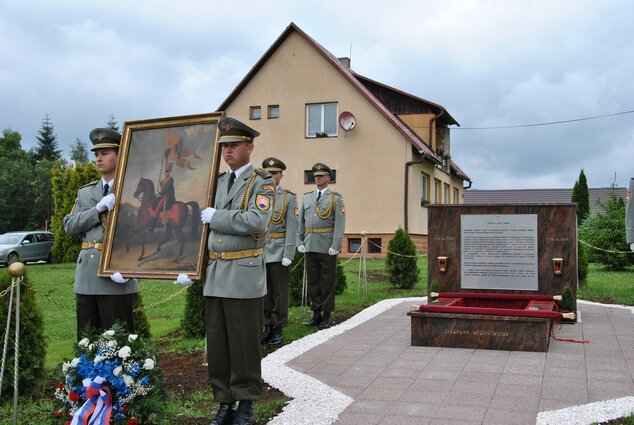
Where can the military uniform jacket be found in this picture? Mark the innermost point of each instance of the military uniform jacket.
(283, 228)
(629, 213)
(84, 220)
(239, 224)
(315, 217)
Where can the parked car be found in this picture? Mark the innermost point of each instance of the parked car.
(26, 246)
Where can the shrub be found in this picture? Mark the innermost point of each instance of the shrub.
(582, 259)
(400, 263)
(193, 322)
(567, 302)
(32, 343)
(141, 325)
(606, 231)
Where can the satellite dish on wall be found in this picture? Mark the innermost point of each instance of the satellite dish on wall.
(347, 121)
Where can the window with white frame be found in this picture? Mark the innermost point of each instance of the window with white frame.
(437, 191)
(446, 193)
(273, 111)
(321, 120)
(456, 196)
(424, 188)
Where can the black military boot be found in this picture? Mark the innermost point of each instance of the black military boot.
(276, 337)
(266, 334)
(316, 319)
(325, 321)
(225, 415)
(244, 413)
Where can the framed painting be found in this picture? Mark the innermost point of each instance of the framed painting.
(166, 174)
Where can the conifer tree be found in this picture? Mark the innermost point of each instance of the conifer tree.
(400, 263)
(47, 143)
(581, 195)
(112, 123)
(79, 153)
(193, 322)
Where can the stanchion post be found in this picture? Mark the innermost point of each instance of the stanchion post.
(16, 270)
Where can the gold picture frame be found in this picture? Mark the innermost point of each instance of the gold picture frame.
(166, 174)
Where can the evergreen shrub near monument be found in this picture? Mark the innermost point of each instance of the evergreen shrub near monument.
(193, 321)
(32, 343)
(400, 263)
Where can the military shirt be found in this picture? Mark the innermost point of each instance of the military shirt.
(282, 232)
(239, 223)
(86, 221)
(321, 224)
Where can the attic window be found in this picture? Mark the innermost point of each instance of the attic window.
(255, 112)
(321, 120)
(273, 111)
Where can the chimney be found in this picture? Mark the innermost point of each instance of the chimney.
(345, 62)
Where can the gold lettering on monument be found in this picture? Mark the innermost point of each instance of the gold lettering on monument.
(476, 333)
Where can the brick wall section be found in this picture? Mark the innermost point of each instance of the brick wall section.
(420, 241)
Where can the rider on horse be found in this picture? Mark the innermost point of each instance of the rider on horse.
(166, 196)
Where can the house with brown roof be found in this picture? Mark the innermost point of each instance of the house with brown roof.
(390, 151)
(597, 196)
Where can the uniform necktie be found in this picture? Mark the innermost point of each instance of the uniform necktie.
(318, 195)
(232, 178)
(106, 188)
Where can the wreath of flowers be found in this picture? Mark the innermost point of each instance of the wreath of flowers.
(127, 366)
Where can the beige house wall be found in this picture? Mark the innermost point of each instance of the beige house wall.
(369, 160)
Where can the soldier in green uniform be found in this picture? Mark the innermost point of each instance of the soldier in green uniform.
(99, 301)
(278, 254)
(236, 275)
(629, 215)
(321, 226)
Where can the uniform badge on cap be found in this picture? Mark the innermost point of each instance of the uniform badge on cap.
(262, 202)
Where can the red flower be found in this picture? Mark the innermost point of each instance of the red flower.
(125, 408)
(67, 423)
(58, 413)
(60, 386)
(133, 421)
(73, 396)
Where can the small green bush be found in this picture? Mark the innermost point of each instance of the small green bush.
(193, 322)
(400, 264)
(32, 342)
(141, 325)
(567, 302)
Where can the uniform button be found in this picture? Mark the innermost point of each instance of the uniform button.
(219, 240)
(92, 255)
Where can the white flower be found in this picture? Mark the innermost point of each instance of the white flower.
(91, 346)
(132, 337)
(117, 371)
(97, 359)
(75, 362)
(111, 344)
(108, 333)
(65, 367)
(128, 380)
(84, 342)
(148, 364)
(125, 352)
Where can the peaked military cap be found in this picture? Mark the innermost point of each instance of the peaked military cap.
(273, 164)
(104, 138)
(232, 130)
(320, 169)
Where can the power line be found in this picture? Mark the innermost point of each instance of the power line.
(544, 123)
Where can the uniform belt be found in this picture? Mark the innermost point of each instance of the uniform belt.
(277, 235)
(320, 230)
(92, 245)
(235, 255)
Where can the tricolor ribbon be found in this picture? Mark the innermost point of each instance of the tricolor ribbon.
(98, 406)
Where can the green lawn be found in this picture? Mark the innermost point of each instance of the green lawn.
(164, 305)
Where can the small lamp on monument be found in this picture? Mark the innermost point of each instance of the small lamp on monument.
(558, 264)
(442, 264)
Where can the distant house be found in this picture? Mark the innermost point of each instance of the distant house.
(389, 150)
(539, 196)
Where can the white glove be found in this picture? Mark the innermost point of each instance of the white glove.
(286, 262)
(301, 249)
(207, 214)
(116, 277)
(183, 279)
(106, 203)
(332, 251)
(632, 246)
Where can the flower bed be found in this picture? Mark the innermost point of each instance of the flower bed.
(114, 375)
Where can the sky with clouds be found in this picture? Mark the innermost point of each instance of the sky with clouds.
(489, 63)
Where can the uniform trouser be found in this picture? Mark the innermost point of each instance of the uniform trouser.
(321, 272)
(102, 311)
(276, 299)
(234, 327)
